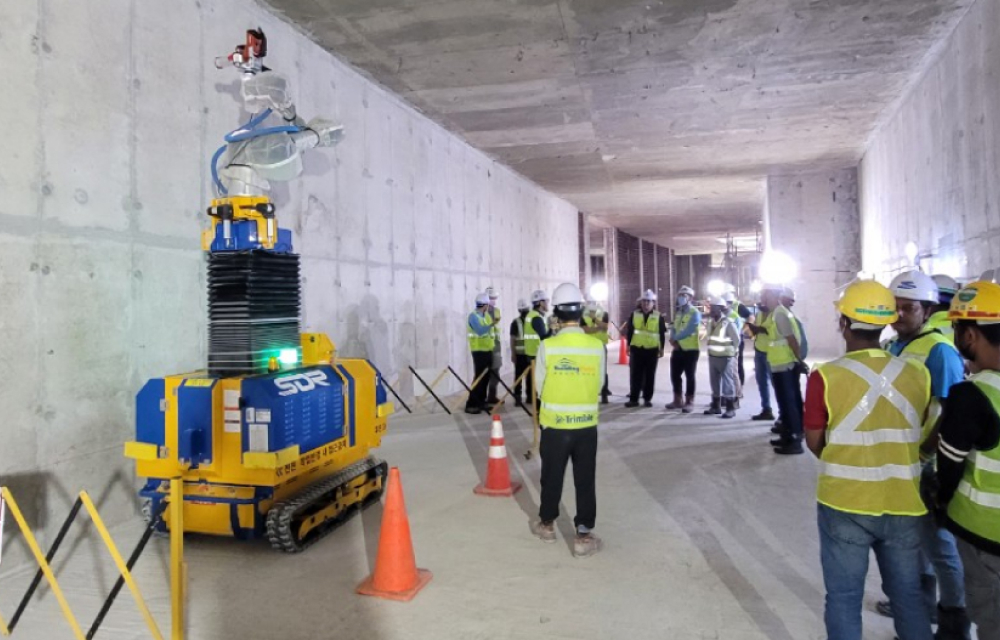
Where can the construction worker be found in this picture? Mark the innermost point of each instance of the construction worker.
(762, 372)
(788, 301)
(947, 286)
(864, 416)
(536, 329)
(518, 355)
(785, 362)
(595, 323)
(481, 340)
(734, 311)
(645, 331)
(968, 470)
(494, 312)
(568, 379)
(723, 336)
(916, 294)
(684, 357)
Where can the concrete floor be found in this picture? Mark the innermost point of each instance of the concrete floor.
(707, 535)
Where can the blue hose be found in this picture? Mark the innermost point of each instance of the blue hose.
(215, 170)
(242, 134)
(247, 132)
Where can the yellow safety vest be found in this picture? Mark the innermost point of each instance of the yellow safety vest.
(778, 351)
(531, 337)
(573, 381)
(519, 336)
(939, 321)
(762, 341)
(871, 463)
(496, 324)
(685, 318)
(976, 505)
(478, 342)
(918, 350)
(719, 343)
(646, 332)
(591, 321)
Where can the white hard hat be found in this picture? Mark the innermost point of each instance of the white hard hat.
(538, 295)
(492, 293)
(649, 295)
(686, 291)
(717, 301)
(482, 299)
(522, 304)
(729, 297)
(947, 286)
(567, 294)
(773, 286)
(914, 285)
(788, 292)
(729, 288)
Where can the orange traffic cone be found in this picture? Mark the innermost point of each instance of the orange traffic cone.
(497, 471)
(396, 576)
(622, 351)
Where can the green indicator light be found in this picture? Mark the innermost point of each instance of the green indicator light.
(288, 356)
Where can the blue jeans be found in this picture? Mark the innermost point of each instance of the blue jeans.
(845, 540)
(788, 393)
(763, 374)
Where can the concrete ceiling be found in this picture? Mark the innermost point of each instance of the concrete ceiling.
(661, 117)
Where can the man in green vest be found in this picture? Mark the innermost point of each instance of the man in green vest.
(480, 331)
(595, 323)
(645, 332)
(568, 373)
(969, 454)
(536, 329)
(864, 417)
(723, 336)
(518, 355)
(947, 286)
(686, 350)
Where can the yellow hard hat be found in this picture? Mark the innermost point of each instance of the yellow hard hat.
(869, 302)
(978, 301)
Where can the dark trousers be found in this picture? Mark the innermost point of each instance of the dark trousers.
(683, 363)
(739, 365)
(557, 448)
(788, 393)
(522, 363)
(481, 361)
(605, 392)
(642, 372)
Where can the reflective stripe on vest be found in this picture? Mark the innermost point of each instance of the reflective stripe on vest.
(682, 322)
(919, 349)
(531, 337)
(646, 331)
(519, 336)
(976, 505)
(719, 342)
(484, 342)
(573, 381)
(871, 462)
(779, 353)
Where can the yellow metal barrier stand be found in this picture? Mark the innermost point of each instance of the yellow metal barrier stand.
(29, 537)
(420, 400)
(178, 570)
(102, 530)
(519, 380)
(463, 397)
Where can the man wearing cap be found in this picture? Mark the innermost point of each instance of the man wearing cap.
(686, 349)
(481, 341)
(969, 454)
(518, 355)
(645, 332)
(595, 323)
(864, 417)
(494, 312)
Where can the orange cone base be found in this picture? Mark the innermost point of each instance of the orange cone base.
(367, 588)
(497, 493)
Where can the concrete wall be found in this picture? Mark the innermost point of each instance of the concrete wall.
(930, 173)
(112, 111)
(813, 217)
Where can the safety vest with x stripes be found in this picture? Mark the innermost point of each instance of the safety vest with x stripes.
(876, 404)
(976, 505)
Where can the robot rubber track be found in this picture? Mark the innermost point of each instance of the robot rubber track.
(325, 505)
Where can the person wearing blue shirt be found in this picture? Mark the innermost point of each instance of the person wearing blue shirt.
(481, 341)
(684, 357)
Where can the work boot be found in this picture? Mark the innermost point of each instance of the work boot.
(647, 404)
(586, 544)
(688, 405)
(713, 409)
(544, 531)
(763, 415)
(518, 402)
(953, 624)
(473, 410)
(730, 409)
(678, 402)
(790, 448)
(631, 403)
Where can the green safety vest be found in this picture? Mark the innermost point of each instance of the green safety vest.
(519, 336)
(976, 505)
(496, 325)
(720, 344)
(531, 337)
(939, 321)
(778, 352)
(762, 341)
(573, 381)
(590, 321)
(484, 342)
(646, 332)
(871, 462)
(685, 318)
(918, 349)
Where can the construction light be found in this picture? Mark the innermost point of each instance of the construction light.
(288, 356)
(599, 291)
(777, 268)
(755, 286)
(716, 287)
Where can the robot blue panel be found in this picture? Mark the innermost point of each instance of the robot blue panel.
(244, 238)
